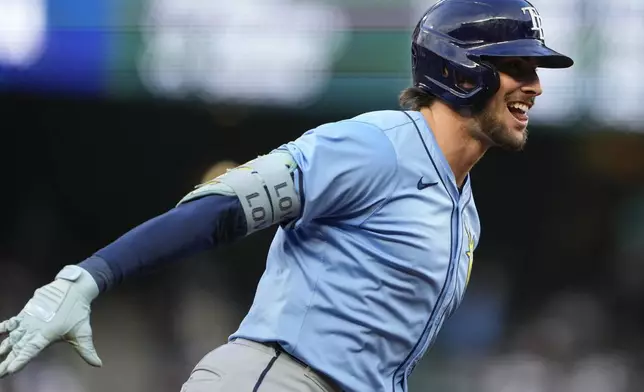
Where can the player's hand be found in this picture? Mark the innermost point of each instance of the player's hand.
(58, 311)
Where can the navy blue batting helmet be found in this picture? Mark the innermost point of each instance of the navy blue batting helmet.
(454, 39)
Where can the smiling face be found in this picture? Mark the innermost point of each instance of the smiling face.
(504, 120)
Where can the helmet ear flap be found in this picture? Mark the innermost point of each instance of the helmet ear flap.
(454, 77)
(486, 82)
(460, 86)
(414, 57)
(491, 77)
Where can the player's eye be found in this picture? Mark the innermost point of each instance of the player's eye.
(517, 68)
(512, 66)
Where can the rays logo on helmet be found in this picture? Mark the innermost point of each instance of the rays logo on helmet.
(537, 22)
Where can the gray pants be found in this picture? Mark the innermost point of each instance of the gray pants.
(246, 366)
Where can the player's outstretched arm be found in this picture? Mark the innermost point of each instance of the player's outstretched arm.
(243, 200)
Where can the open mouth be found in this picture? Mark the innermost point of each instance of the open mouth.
(519, 110)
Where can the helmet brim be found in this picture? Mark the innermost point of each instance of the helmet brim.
(544, 56)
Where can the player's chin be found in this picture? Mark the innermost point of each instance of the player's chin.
(519, 141)
(512, 139)
(516, 134)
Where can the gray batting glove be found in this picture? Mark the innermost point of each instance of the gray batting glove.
(57, 311)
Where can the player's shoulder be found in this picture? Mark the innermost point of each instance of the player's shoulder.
(360, 125)
(359, 141)
(384, 120)
(368, 130)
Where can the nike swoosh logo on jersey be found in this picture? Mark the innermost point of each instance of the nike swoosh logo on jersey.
(422, 185)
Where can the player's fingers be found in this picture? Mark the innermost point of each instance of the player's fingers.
(13, 338)
(9, 325)
(32, 347)
(5, 364)
(81, 338)
(15, 351)
(85, 348)
(6, 346)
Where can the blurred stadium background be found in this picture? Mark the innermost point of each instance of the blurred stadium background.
(111, 110)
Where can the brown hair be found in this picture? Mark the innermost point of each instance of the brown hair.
(413, 98)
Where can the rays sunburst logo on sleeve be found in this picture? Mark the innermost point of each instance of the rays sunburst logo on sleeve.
(469, 253)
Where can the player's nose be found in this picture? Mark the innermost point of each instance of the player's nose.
(532, 87)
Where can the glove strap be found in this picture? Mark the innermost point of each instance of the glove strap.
(70, 272)
(82, 279)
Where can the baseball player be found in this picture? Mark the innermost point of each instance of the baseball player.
(377, 222)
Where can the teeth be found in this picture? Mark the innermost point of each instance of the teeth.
(518, 105)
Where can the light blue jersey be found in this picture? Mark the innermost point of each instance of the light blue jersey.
(360, 284)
